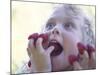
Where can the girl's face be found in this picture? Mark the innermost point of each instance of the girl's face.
(66, 30)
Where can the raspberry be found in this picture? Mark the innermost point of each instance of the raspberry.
(72, 59)
(90, 49)
(35, 36)
(81, 48)
(44, 36)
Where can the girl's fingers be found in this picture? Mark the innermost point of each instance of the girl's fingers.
(49, 50)
(91, 52)
(83, 59)
(30, 44)
(93, 56)
(86, 55)
(83, 54)
(29, 52)
(39, 46)
(73, 60)
(77, 66)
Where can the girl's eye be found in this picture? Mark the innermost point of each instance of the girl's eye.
(68, 26)
(50, 26)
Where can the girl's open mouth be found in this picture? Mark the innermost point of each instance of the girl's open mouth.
(57, 48)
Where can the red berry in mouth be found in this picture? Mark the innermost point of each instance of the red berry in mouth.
(81, 48)
(72, 59)
(57, 48)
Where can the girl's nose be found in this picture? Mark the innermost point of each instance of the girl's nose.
(56, 31)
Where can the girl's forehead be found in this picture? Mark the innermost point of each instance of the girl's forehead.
(61, 14)
(62, 18)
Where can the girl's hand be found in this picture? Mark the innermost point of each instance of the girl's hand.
(86, 58)
(39, 57)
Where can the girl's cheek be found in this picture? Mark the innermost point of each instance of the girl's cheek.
(70, 43)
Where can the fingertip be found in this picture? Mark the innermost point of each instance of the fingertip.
(52, 47)
(40, 39)
(30, 42)
(86, 54)
(39, 42)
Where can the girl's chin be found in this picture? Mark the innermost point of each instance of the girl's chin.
(59, 63)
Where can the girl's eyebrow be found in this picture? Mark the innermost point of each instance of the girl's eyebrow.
(51, 20)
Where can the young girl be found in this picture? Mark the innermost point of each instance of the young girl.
(69, 27)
